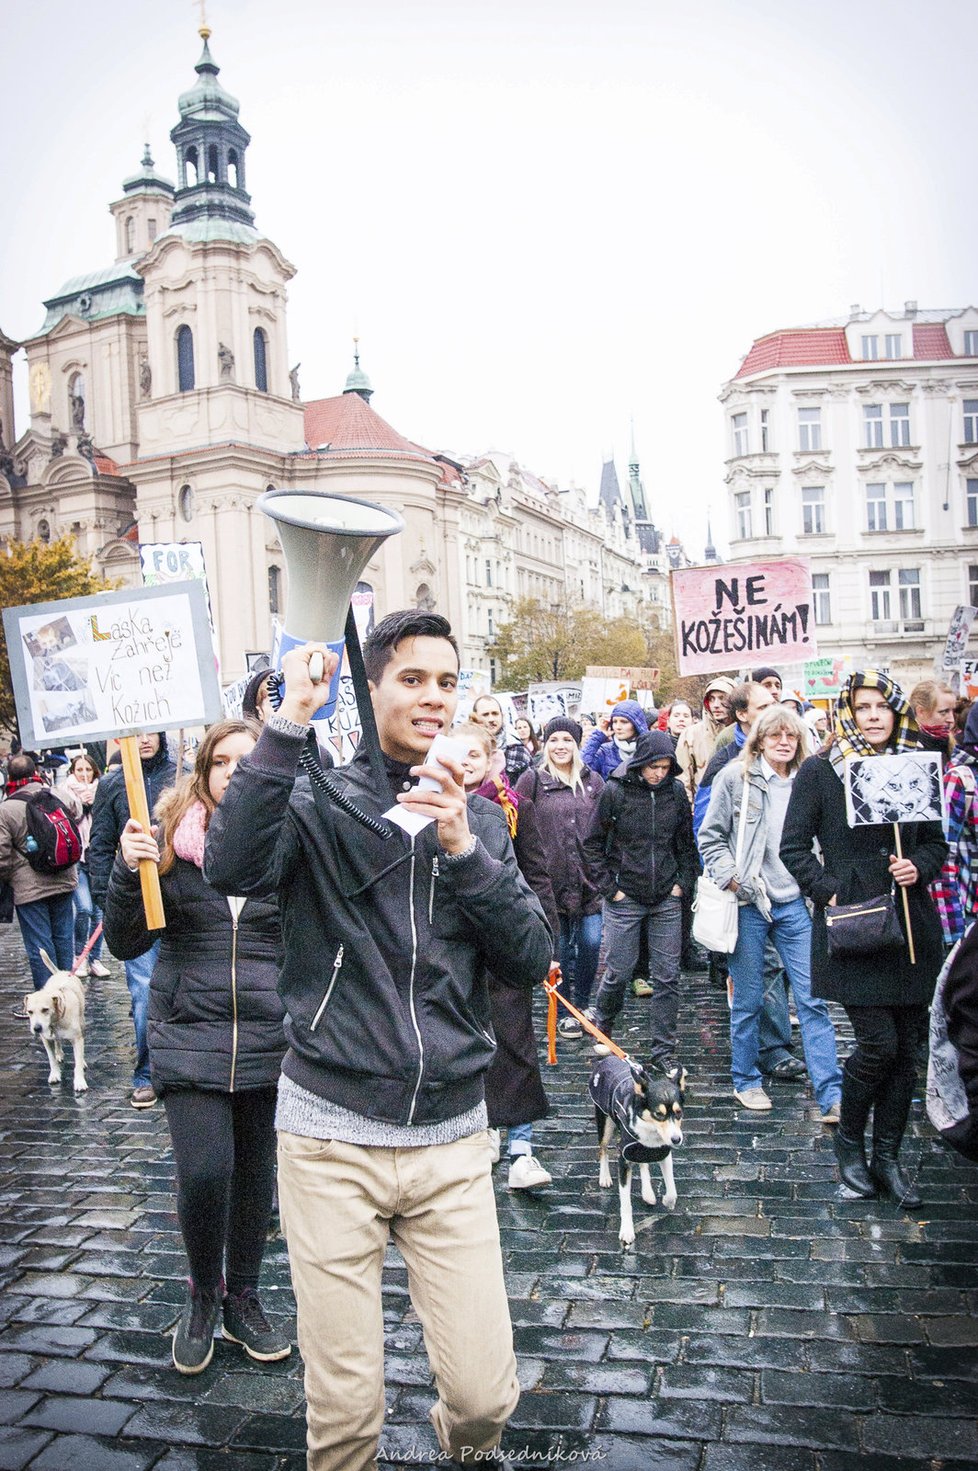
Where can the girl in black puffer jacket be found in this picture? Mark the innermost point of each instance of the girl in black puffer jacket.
(216, 1043)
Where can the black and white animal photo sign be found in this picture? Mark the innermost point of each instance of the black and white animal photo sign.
(903, 787)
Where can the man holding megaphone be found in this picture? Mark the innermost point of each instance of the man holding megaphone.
(381, 1114)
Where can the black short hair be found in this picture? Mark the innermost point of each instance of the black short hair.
(379, 646)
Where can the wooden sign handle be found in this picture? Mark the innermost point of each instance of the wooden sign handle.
(906, 905)
(149, 877)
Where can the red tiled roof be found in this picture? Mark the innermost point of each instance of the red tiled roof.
(797, 348)
(104, 465)
(930, 341)
(348, 426)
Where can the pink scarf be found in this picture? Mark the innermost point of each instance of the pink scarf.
(188, 840)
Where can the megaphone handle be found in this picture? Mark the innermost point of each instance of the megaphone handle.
(316, 668)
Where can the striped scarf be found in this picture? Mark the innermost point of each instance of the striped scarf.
(849, 739)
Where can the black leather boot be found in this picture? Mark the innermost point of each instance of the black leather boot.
(886, 1171)
(854, 1173)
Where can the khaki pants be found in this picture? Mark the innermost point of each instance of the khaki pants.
(340, 1203)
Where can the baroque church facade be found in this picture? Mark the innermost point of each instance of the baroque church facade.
(162, 405)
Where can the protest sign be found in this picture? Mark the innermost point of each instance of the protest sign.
(546, 701)
(969, 679)
(600, 696)
(823, 678)
(958, 633)
(630, 675)
(752, 613)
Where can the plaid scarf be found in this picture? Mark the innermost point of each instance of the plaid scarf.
(849, 739)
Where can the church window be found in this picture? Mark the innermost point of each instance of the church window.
(151, 229)
(130, 235)
(185, 359)
(190, 167)
(212, 164)
(233, 167)
(261, 360)
(185, 501)
(274, 589)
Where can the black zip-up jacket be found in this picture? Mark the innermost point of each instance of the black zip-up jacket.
(386, 942)
(641, 838)
(110, 813)
(215, 1017)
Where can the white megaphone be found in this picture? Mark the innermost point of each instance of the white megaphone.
(327, 541)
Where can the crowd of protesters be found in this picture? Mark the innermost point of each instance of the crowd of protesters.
(369, 1002)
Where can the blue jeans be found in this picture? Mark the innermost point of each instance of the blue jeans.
(775, 1035)
(663, 924)
(791, 930)
(580, 946)
(47, 924)
(139, 972)
(87, 916)
(520, 1139)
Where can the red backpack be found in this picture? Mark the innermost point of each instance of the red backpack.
(53, 840)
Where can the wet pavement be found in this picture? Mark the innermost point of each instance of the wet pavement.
(768, 1324)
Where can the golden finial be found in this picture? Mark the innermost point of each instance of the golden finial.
(203, 30)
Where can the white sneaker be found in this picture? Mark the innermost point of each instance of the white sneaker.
(81, 971)
(526, 1173)
(754, 1098)
(493, 1145)
(99, 970)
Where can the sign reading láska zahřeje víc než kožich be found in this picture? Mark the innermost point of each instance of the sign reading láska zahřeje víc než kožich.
(90, 668)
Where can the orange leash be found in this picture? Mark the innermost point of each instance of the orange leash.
(554, 994)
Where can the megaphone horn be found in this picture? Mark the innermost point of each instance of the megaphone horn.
(327, 541)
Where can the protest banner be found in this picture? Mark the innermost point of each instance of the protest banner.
(600, 696)
(632, 676)
(725, 617)
(958, 633)
(905, 786)
(114, 664)
(546, 701)
(823, 678)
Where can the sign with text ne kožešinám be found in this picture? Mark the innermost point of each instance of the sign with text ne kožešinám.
(753, 613)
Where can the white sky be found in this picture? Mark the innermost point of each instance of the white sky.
(542, 216)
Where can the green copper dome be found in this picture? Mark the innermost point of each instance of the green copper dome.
(208, 97)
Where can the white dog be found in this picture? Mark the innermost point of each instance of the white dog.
(56, 1014)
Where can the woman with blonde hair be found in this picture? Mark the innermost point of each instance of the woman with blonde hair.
(565, 793)
(739, 843)
(216, 1043)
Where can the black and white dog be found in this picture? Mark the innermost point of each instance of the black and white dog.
(648, 1113)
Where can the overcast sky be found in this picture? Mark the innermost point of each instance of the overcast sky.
(543, 217)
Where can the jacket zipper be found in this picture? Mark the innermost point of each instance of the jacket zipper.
(337, 966)
(431, 897)
(234, 998)
(414, 962)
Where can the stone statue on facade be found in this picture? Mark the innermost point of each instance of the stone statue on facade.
(294, 380)
(226, 359)
(145, 377)
(59, 443)
(86, 448)
(77, 401)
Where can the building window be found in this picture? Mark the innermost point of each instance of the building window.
(822, 597)
(894, 345)
(813, 510)
(971, 421)
(151, 229)
(130, 235)
(909, 582)
(491, 629)
(971, 502)
(274, 589)
(769, 511)
(876, 508)
(212, 177)
(261, 360)
(903, 517)
(765, 430)
(809, 429)
(190, 170)
(185, 502)
(233, 168)
(871, 348)
(185, 359)
(742, 505)
(971, 344)
(488, 573)
(973, 585)
(739, 422)
(873, 426)
(899, 425)
(879, 595)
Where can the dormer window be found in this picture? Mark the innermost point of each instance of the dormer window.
(971, 344)
(871, 348)
(894, 345)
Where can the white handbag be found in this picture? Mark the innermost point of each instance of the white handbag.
(715, 909)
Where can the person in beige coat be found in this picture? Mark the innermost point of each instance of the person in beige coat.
(43, 901)
(697, 742)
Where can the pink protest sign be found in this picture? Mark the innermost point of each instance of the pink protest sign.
(735, 616)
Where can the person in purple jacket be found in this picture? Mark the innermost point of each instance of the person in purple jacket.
(614, 740)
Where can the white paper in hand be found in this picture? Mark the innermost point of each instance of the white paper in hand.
(442, 745)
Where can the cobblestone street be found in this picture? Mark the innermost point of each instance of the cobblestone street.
(767, 1325)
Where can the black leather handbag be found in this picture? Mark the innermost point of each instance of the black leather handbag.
(863, 928)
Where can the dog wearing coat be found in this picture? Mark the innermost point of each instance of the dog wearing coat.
(647, 1112)
(56, 1014)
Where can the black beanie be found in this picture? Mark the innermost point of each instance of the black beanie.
(563, 722)
(765, 672)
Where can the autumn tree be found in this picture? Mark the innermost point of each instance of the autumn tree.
(39, 572)
(660, 653)
(543, 642)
